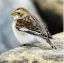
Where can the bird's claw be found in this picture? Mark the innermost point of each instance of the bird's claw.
(54, 47)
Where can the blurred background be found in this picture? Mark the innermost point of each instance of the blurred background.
(49, 11)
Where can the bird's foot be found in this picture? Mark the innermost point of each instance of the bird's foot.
(31, 45)
(20, 45)
(54, 47)
(25, 45)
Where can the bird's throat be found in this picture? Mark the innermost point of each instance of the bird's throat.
(16, 17)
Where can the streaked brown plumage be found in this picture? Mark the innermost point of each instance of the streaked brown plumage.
(23, 23)
(27, 20)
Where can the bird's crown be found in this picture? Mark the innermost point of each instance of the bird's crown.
(20, 12)
(22, 9)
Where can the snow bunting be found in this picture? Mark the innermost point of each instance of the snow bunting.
(28, 29)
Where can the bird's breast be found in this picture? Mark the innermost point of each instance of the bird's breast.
(26, 38)
(23, 37)
(17, 33)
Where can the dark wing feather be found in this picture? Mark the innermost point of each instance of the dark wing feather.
(44, 33)
(34, 25)
(40, 28)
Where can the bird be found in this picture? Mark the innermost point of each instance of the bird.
(28, 29)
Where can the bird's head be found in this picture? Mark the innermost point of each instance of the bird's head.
(20, 12)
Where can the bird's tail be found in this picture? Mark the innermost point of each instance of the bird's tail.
(50, 43)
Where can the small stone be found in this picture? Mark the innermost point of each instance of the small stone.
(24, 61)
(35, 61)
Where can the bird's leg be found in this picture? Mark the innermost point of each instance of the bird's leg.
(25, 45)
(50, 43)
(32, 44)
(20, 45)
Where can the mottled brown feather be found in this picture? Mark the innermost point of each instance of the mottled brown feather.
(31, 23)
(25, 22)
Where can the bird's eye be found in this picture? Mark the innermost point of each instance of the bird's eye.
(18, 13)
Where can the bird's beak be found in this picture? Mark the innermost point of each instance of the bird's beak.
(13, 13)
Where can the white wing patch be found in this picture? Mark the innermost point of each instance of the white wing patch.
(29, 31)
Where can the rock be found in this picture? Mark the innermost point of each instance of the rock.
(32, 54)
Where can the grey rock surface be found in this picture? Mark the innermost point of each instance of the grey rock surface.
(31, 54)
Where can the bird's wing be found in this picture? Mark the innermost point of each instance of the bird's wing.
(29, 31)
(41, 28)
(33, 26)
